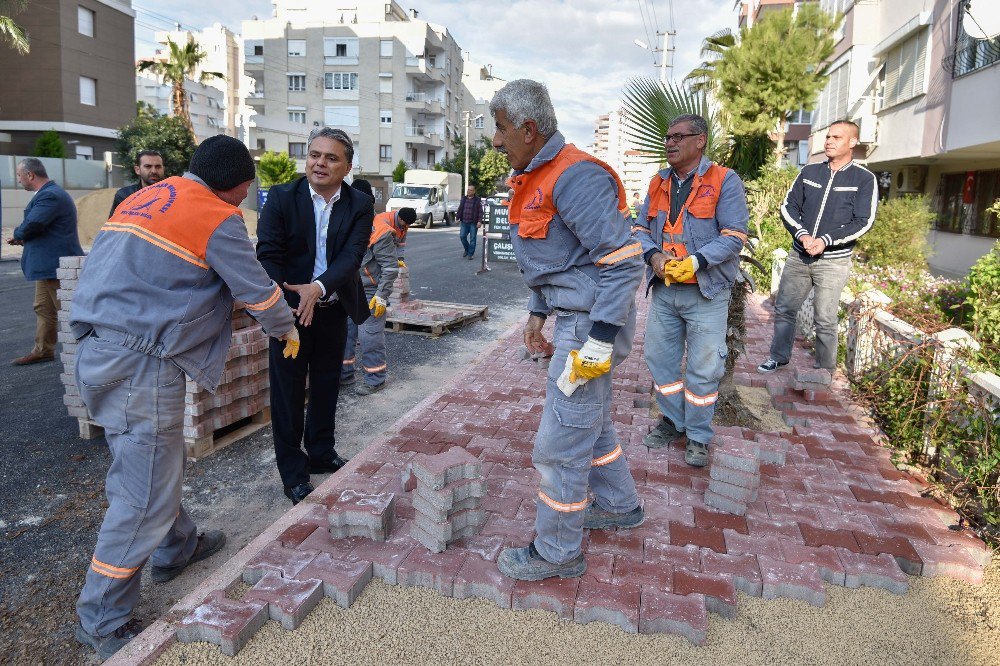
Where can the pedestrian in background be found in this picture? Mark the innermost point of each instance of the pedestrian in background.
(828, 208)
(571, 237)
(154, 304)
(470, 214)
(312, 234)
(47, 233)
(692, 226)
(148, 168)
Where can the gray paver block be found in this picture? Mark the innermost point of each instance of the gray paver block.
(343, 579)
(288, 600)
(665, 613)
(438, 513)
(357, 513)
(456, 526)
(716, 501)
(439, 470)
(794, 581)
(224, 622)
(446, 499)
(286, 562)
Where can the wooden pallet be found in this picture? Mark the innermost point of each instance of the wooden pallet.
(419, 322)
(201, 446)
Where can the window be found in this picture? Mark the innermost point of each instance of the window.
(296, 82)
(480, 122)
(88, 91)
(341, 116)
(800, 117)
(836, 6)
(85, 21)
(803, 152)
(431, 158)
(296, 47)
(297, 150)
(338, 50)
(385, 48)
(832, 103)
(385, 82)
(193, 97)
(254, 49)
(297, 117)
(340, 80)
(260, 144)
(954, 214)
(903, 75)
(385, 117)
(84, 152)
(384, 153)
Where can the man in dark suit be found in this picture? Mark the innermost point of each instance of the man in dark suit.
(47, 233)
(149, 168)
(311, 236)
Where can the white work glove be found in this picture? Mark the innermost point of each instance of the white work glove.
(589, 362)
(377, 305)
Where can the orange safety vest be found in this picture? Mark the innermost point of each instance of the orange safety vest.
(391, 222)
(176, 215)
(531, 205)
(701, 201)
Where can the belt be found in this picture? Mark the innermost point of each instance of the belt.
(328, 303)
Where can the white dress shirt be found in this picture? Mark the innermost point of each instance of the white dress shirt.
(321, 210)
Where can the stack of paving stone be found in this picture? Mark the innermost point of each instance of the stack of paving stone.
(446, 497)
(243, 391)
(401, 287)
(734, 475)
(358, 514)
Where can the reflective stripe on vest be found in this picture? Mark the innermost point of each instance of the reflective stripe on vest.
(531, 205)
(701, 201)
(176, 215)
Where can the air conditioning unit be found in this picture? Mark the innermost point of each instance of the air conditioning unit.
(868, 128)
(911, 179)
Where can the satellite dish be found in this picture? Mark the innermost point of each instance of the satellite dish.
(984, 17)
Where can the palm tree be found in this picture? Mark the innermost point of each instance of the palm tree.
(10, 32)
(182, 64)
(702, 78)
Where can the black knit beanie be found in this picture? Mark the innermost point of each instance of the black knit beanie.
(222, 162)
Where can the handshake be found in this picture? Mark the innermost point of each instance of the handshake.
(813, 246)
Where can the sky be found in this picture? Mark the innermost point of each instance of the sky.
(583, 50)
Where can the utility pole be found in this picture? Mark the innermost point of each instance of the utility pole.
(468, 126)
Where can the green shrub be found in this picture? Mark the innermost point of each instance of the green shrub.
(399, 172)
(49, 144)
(765, 195)
(899, 236)
(983, 302)
(276, 169)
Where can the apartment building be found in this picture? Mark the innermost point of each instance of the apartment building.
(78, 79)
(390, 79)
(222, 54)
(924, 84)
(205, 104)
(612, 145)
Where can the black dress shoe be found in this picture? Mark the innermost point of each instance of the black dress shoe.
(328, 466)
(299, 492)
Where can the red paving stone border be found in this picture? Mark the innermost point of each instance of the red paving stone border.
(837, 511)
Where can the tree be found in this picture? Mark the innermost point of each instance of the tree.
(11, 33)
(485, 182)
(777, 68)
(168, 134)
(650, 107)
(399, 172)
(701, 78)
(182, 63)
(276, 168)
(49, 144)
(493, 170)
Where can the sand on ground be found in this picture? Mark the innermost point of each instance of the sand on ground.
(939, 621)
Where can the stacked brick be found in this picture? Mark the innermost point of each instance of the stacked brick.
(447, 493)
(243, 391)
(360, 514)
(401, 287)
(734, 475)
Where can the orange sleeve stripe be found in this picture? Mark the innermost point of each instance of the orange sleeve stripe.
(561, 507)
(609, 458)
(263, 305)
(729, 232)
(621, 254)
(158, 241)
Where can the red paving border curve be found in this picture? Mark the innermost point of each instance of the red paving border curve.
(837, 511)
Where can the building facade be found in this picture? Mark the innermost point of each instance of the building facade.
(612, 145)
(924, 85)
(388, 78)
(479, 88)
(78, 79)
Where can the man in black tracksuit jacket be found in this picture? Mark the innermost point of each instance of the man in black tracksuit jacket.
(830, 205)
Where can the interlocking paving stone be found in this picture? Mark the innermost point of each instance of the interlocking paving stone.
(288, 600)
(227, 623)
(362, 514)
(836, 511)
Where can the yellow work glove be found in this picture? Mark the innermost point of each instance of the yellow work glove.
(377, 306)
(291, 343)
(401, 264)
(680, 270)
(582, 365)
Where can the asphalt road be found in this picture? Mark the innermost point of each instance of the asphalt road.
(53, 482)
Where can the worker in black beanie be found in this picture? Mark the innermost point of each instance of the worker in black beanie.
(364, 186)
(222, 162)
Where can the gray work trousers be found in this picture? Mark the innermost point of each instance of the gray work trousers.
(577, 448)
(139, 401)
(828, 277)
(371, 336)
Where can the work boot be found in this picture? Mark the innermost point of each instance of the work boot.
(107, 646)
(348, 380)
(368, 389)
(696, 454)
(597, 518)
(664, 434)
(526, 564)
(209, 543)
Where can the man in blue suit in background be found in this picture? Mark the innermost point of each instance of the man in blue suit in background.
(47, 233)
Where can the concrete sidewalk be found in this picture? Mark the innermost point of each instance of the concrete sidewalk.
(835, 512)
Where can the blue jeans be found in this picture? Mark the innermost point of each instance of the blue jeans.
(576, 446)
(467, 234)
(680, 317)
(828, 277)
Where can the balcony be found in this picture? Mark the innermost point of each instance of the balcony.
(424, 103)
(420, 135)
(423, 70)
(974, 55)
